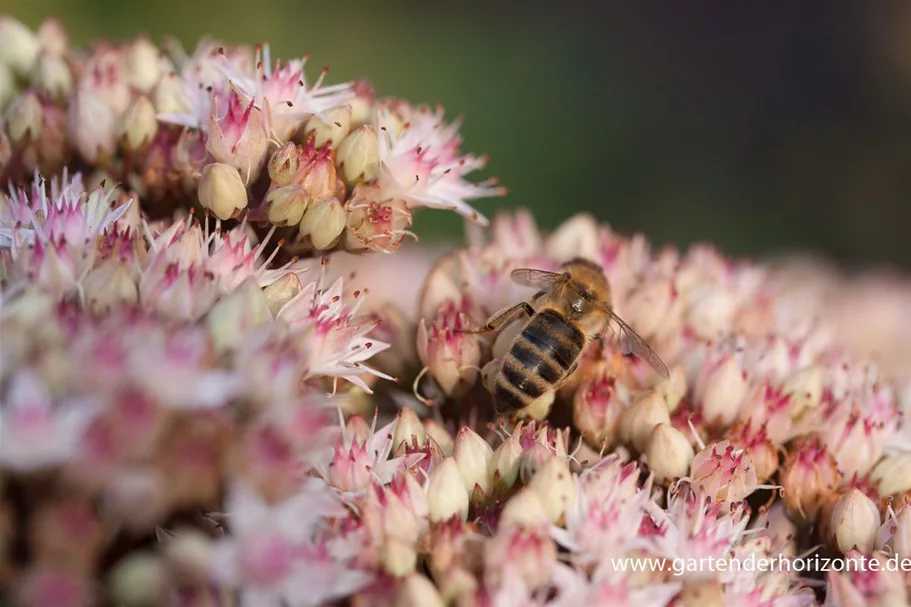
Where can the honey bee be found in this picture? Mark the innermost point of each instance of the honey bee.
(571, 309)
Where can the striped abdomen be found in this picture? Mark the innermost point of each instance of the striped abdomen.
(538, 359)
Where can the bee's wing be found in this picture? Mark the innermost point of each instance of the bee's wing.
(632, 343)
(540, 279)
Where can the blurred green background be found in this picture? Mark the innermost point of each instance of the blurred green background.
(759, 127)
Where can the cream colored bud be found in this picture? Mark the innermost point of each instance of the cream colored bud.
(20, 46)
(92, 126)
(418, 591)
(52, 76)
(286, 205)
(53, 37)
(140, 579)
(805, 389)
(358, 156)
(555, 487)
(222, 191)
(533, 460)
(673, 388)
(284, 163)
(138, 125)
(446, 494)
(472, 455)
(109, 285)
(525, 508)
(324, 223)
(236, 315)
(169, 96)
(24, 118)
(892, 475)
(669, 453)
(640, 418)
(440, 435)
(143, 62)
(282, 291)
(398, 558)
(189, 553)
(408, 429)
(724, 392)
(332, 127)
(503, 468)
(855, 522)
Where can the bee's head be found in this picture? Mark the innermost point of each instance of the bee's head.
(588, 278)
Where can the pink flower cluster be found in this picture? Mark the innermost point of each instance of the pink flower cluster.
(175, 355)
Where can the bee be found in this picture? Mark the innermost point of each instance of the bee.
(571, 309)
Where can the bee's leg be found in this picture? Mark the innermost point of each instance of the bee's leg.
(566, 376)
(499, 319)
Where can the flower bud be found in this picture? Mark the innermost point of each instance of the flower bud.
(503, 467)
(418, 591)
(138, 125)
(285, 205)
(20, 46)
(138, 580)
(236, 315)
(892, 475)
(109, 285)
(92, 126)
(222, 191)
(284, 163)
(408, 429)
(323, 222)
(446, 494)
(53, 37)
(189, 553)
(721, 392)
(598, 405)
(331, 127)
(855, 522)
(52, 76)
(282, 291)
(143, 63)
(398, 558)
(900, 540)
(524, 508)
(669, 453)
(450, 355)
(640, 418)
(239, 137)
(711, 312)
(533, 460)
(24, 118)
(472, 455)
(362, 102)
(808, 478)
(805, 391)
(440, 435)
(169, 96)
(555, 487)
(358, 156)
(673, 388)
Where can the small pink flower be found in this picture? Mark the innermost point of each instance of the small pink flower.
(723, 473)
(420, 161)
(284, 96)
(37, 433)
